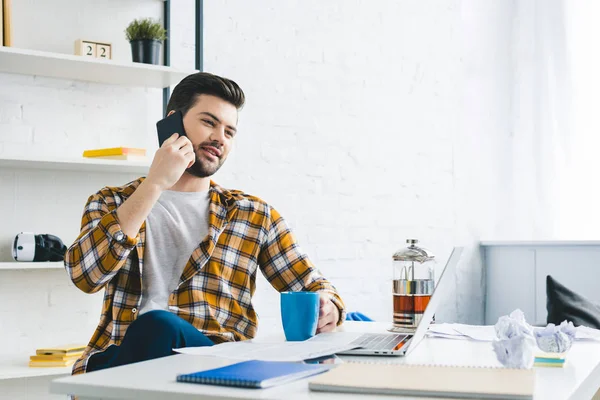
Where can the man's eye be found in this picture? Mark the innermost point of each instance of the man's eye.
(209, 122)
(229, 133)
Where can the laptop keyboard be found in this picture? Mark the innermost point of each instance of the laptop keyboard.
(374, 341)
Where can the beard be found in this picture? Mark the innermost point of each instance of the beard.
(203, 168)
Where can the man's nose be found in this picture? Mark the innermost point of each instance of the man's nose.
(218, 135)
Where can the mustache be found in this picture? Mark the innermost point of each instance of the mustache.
(214, 144)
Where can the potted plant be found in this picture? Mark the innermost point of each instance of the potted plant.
(145, 36)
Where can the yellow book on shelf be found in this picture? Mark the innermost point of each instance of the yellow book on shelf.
(51, 364)
(1, 23)
(127, 157)
(7, 22)
(65, 350)
(115, 152)
(48, 357)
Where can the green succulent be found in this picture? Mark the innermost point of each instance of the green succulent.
(147, 28)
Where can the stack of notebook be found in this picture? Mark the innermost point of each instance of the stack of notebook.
(117, 153)
(555, 360)
(61, 356)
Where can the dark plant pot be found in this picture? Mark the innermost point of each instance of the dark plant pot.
(145, 51)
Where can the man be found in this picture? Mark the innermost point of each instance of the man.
(176, 254)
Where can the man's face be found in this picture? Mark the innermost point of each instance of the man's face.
(211, 126)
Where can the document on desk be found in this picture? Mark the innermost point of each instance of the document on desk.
(484, 333)
(487, 333)
(586, 333)
(320, 345)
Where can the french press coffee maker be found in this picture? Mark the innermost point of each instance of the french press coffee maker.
(413, 284)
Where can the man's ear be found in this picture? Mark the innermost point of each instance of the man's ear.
(170, 113)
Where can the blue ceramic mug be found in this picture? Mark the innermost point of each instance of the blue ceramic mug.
(299, 314)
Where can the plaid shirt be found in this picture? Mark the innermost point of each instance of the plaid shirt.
(215, 289)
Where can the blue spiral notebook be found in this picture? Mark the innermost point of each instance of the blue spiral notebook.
(254, 374)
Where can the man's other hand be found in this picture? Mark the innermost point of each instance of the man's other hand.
(328, 314)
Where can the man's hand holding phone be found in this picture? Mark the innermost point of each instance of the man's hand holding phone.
(170, 161)
(176, 153)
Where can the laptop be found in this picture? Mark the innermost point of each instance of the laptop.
(400, 344)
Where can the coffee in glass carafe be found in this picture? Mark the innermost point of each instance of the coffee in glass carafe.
(413, 284)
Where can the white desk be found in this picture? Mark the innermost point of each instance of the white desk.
(155, 379)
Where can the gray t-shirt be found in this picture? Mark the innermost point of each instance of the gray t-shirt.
(176, 225)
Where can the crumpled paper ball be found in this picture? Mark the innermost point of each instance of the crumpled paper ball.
(516, 343)
(509, 326)
(556, 339)
(516, 352)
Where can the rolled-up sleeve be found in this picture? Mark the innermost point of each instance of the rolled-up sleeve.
(101, 248)
(287, 267)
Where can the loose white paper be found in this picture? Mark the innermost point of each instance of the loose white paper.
(431, 334)
(443, 329)
(585, 333)
(484, 333)
(318, 346)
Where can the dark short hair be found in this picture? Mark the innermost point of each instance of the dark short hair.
(187, 91)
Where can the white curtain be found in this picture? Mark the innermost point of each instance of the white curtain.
(579, 215)
(540, 117)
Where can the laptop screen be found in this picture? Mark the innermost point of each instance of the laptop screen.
(439, 294)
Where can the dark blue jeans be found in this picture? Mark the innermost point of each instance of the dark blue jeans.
(154, 334)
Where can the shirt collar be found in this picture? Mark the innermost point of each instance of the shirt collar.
(224, 196)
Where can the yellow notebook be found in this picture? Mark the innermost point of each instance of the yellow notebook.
(552, 360)
(66, 350)
(7, 22)
(47, 357)
(1, 24)
(424, 380)
(128, 157)
(51, 364)
(115, 152)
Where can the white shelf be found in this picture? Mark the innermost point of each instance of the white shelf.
(15, 367)
(530, 243)
(76, 164)
(31, 265)
(72, 67)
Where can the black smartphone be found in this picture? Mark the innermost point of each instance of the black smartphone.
(170, 125)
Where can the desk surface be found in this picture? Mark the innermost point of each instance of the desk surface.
(155, 379)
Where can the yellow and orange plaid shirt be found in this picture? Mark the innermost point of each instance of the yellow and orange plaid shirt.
(215, 289)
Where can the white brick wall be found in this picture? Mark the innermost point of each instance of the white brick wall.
(366, 124)
(353, 109)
